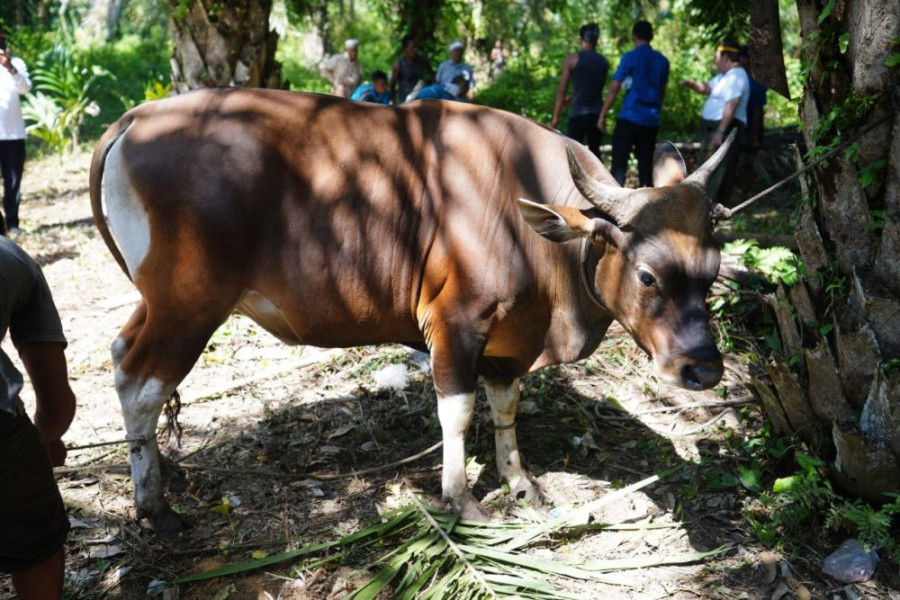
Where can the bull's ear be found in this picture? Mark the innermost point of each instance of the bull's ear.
(556, 223)
(668, 165)
(564, 223)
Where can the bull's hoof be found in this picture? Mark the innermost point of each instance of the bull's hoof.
(526, 489)
(470, 509)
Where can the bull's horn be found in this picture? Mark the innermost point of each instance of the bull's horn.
(703, 173)
(610, 199)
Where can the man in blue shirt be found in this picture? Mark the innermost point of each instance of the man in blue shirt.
(455, 90)
(756, 103)
(375, 92)
(644, 73)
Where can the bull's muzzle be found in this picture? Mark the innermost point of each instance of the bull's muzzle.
(699, 369)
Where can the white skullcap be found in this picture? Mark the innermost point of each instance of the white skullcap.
(457, 45)
(351, 43)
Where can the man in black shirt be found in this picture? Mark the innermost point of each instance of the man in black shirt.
(587, 70)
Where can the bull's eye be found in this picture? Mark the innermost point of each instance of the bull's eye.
(646, 278)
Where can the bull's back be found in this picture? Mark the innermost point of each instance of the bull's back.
(330, 222)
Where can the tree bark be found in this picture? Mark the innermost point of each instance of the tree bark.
(421, 17)
(846, 316)
(223, 43)
(101, 23)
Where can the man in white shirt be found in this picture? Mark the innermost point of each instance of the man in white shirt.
(14, 82)
(728, 91)
(455, 67)
(725, 109)
(343, 70)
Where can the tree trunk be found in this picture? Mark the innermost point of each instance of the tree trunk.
(837, 381)
(422, 18)
(101, 23)
(223, 43)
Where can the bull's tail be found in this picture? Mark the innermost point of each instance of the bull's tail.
(110, 138)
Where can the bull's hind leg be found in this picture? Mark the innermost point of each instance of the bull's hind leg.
(153, 353)
(503, 396)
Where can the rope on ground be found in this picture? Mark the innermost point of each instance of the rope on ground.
(315, 475)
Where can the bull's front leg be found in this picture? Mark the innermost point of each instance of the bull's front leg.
(503, 397)
(455, 413)
(454, 358)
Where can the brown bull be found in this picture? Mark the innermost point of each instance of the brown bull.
(334, 223)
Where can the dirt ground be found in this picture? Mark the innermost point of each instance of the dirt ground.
(303, 443)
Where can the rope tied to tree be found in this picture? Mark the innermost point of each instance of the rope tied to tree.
(721, 213)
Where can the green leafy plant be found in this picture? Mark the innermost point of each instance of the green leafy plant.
(790, 503)
(65, 87)
(157, 90)
(777, 264)
(874, 528)
(45, 121)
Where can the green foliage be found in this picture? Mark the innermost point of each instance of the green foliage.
(874, 528)
(525, 91)
(65, 95)
(29, 44)
(45, 121)
(791, 504)
(868, 173)
(777, 264)
(826, 11)
(155, 90)
(794, 504)
(539, 33)
(717, 20)
(137, 64)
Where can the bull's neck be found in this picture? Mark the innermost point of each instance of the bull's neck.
(580, 319)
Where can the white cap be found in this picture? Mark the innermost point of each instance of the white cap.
(456, 45)
(351, 43)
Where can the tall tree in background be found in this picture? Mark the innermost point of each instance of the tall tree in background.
(223, 43)
(837, 381)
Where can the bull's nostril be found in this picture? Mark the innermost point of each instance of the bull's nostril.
(689, 378)
(700, 376)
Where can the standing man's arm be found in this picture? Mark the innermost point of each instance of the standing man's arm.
(18, 70)
(727, 116)
(614, 88)
(45, 363)
(700, 88)
(327, 68)
(567, 66)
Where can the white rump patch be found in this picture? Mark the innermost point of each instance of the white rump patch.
(126, 213)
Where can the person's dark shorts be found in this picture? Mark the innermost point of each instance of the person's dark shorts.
(33, 521)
